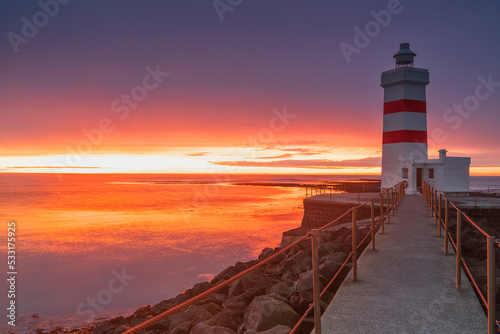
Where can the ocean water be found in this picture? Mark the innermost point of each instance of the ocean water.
(485, 183)
(97, 246)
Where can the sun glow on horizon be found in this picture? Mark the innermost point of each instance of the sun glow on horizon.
(207, 160)
(234, 160)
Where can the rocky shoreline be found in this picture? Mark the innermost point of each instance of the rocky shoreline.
(269, 300)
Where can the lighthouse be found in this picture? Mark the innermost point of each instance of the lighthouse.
(404, 139)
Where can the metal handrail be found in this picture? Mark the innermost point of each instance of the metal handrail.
(352, 255)
(490, 302)
(154, 320)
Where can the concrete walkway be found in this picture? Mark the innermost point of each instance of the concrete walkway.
(407, 285)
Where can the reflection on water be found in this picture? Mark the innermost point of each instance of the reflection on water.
(73, 235)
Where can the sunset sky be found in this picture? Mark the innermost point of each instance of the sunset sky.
(237, 86)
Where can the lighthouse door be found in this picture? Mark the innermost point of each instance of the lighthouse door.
(419, 179)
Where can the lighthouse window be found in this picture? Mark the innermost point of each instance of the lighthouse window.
(405, 173)
(431, 173)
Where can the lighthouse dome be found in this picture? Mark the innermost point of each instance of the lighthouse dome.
(404, 57)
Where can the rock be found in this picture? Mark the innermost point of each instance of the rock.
(211, 307)
(338, 257)
(305, 281)
(280, 329)
(304, 286)
(163, 306)
(251, 293)
(282, 289)
(184, 328)
(230, 272)
(140, 315)
(121, 328)
(290, 277)
(280, 298)
(329, 268)
(162, 325)
(236, 303)
(204, 328)
(274, 271)
(235, 288)
(250, 280)
(186, 319)
(216, 298)
(305, 299)
(227, 318)
(267, 282)
(105, 328)
(469, 244)
(268, 252)
(265, 313)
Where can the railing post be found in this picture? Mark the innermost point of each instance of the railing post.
(446, 208)
(438, 215)
(431, 199)
(354, 247)
(400, 194)
(372, 204)
(388, 208)
(426, 195)
(382, 212)
(435, 207)
(316, 282)
(459, 250)
(394, 201)
(491, 286)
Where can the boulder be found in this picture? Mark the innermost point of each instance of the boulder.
(305, 281)
(230, 272)
(161, 326)
(105, 328)
(266, 312)
(227, 318)
(236, 288)
(163, 306)
(140, 315)
(274, 271)
(204, 328)
(236, 303)
(338, 257)
(280, 329)
(329, 268)
(253, 292)
(184, 328)
(250, 280)
(121, 328)
(216, 298)
(188, 318)
(268, 252)
(282, 289)
(280, 298)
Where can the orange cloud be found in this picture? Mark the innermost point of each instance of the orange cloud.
(317, 164)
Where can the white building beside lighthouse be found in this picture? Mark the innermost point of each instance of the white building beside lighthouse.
(404, 143)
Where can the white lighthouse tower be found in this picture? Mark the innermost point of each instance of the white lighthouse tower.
(405, 118)
(404, 147)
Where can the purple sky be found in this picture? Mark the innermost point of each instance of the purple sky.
(227, 75)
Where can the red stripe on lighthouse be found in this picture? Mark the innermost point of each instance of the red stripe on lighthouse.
(405, 136)
(404, 105)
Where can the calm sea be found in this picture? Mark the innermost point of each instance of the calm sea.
(95, 246)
